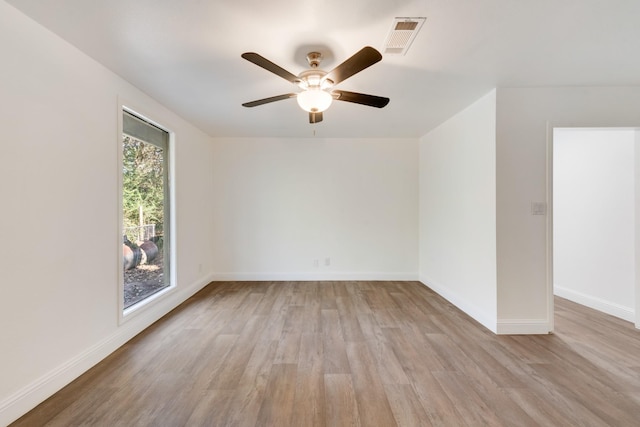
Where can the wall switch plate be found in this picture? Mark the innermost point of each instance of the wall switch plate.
(538, 208)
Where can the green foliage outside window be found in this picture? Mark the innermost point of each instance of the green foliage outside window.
(143, 184)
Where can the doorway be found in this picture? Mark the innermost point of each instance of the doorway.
(594, 218)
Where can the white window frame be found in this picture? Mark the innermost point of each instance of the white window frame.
(155, 299)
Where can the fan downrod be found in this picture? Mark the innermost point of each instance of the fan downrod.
(314, 59)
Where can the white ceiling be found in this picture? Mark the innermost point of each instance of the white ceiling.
(186, 54)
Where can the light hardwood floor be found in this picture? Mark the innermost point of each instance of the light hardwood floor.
(354, 354)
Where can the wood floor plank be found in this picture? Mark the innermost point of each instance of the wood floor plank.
(328, 296)
(475, 411)
(277, 406)
(309, 405)
(226, 377)
(312, 310)
(212, 361)
(440, 409)
(591, 393)
(555, 399)
(271, 294)
(540, 409)
(473, 359)
(619, 368)
(211, 408)
(335, 360)
(246, 399)
(386, 357)
(358, 298)
(288, 348)
(357, 353)
(342, 408)
(349, 319)
(405, 405)
(411, 352)
(373, 405)
(414, 315)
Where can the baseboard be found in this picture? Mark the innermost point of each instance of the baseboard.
(27, 398)
(303, 276)
(608, 307)
(523, 327)
(485, 319)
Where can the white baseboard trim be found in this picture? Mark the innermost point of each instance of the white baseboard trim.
(608, 307)
(303, 276)
(523, 327)
(485, 319)
(28, 397)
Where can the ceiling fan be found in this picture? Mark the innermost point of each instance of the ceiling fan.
(318, 86)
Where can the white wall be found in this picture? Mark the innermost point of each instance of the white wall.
(525, 117)
(637, 227)
(281, 204)
(458, 210)
(59, 217)
(594, 218)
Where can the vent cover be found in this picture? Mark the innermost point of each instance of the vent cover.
(403, 32)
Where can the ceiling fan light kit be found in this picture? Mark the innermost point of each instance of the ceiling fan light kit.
(317, 85)
(314, 97)
(314, 100)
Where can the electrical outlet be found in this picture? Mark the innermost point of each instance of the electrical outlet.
(316, 263)
(327, 262)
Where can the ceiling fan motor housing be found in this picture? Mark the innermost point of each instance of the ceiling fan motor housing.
(314, 78)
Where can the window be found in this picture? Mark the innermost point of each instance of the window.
(145, 209)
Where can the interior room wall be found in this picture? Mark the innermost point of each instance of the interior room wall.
(316, 209)
(594, 218)
(61, 247)
(458, 210)
(637, 225)
(525, 118)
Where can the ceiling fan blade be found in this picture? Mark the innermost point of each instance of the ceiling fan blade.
(360, 98)
(268, 100)
(315, 117)
(364, 58)
(263, 62)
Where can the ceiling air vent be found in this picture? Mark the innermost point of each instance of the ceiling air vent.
(402, 33)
